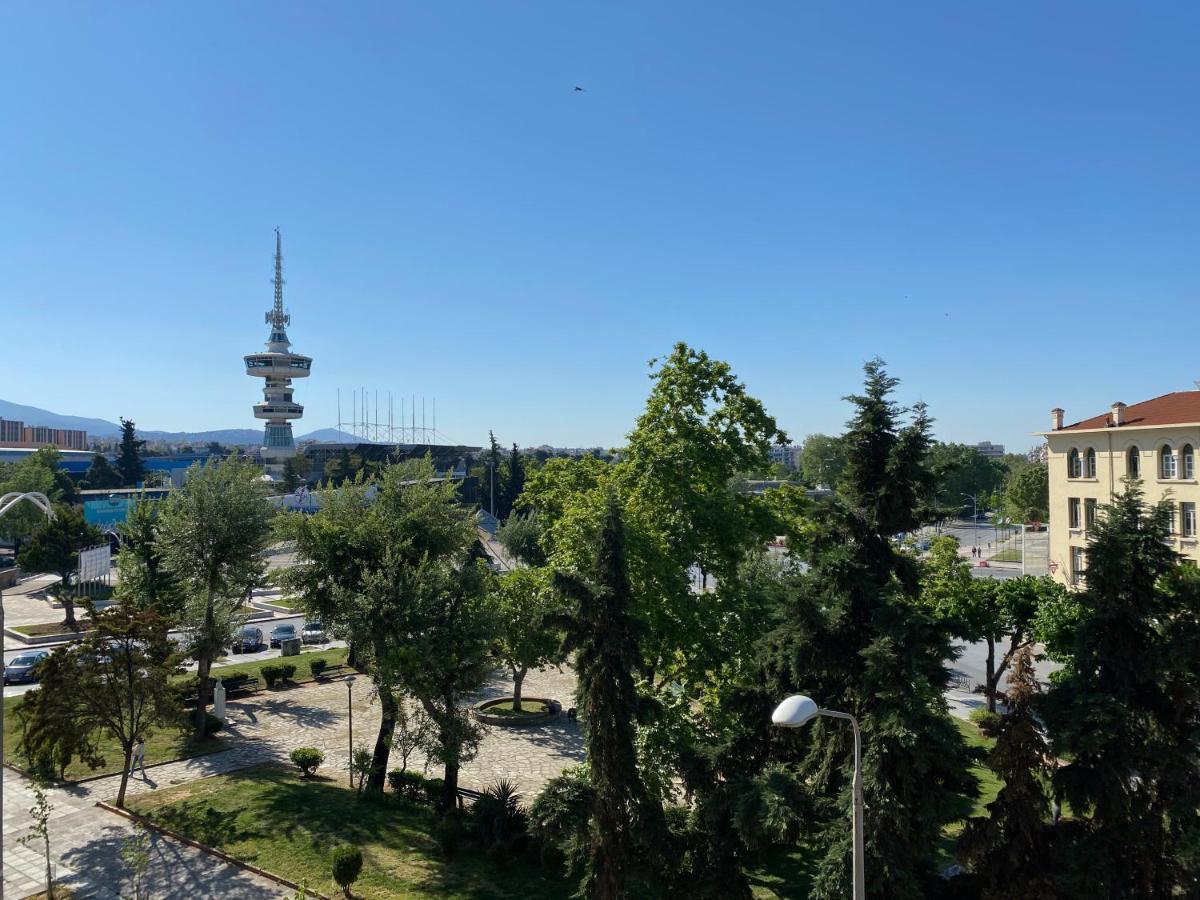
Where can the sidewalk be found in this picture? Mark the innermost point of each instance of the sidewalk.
(85, 845)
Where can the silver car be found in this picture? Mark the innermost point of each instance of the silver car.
(313, 633)
(23, 669)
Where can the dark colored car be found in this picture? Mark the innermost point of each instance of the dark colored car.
(281, 633)
(249, 640)
(23, 669)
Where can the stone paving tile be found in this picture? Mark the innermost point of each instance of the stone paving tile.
(266, 728)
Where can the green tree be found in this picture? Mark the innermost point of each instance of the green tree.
(387, 544)
(526, 637)
(492, 482)
(1009, 851)
(1125, 710)
(39, 833)
(55, 547)
(514, 481)
(1027, 494)
(521, 536)
(854, 634)
(822, 460)
(294, 470)
(961, 471)
(129, 458)
(40, 472)
(999, 613)
(603, 634)
(145, 577)
(101, 475)
(212, 533)
(53, 733)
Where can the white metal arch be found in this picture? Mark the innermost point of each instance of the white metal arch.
(37, 498)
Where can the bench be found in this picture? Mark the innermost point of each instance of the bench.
(234, 684)
(331, 671)
(468, 794)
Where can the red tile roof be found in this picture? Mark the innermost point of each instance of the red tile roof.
(1176, 408)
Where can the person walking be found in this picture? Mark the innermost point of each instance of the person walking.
(138, 758)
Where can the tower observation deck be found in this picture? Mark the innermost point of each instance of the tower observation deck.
(278, 365)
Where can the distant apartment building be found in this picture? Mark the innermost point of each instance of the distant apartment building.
(1154, 441)
(990, 450)
(786, 455)
(17, 434)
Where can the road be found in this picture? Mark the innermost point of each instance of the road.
(12, 690)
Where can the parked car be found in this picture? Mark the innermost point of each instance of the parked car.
(281, 633)
(249, 640)
(23, 669)
(313, 633)
(7, 562)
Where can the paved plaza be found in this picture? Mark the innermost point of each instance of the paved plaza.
(264, 728)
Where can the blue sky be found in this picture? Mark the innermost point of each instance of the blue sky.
(1001, 200)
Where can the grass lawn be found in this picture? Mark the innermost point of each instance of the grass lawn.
(165, 744)
(1013, 554)
(45, 628)
(162, 745)
(528, 708)
(270, 816)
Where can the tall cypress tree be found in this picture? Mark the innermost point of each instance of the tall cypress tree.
(1009, 850)
(1126, 712)
(514, 480)
(855, 636)
(129, 461)
(603, 635)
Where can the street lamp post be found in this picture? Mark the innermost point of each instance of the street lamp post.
(974, 498)
(796, 711)
(7, 502)
(350, 719)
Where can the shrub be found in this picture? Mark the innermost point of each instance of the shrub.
(317, 666)
(560, 818)
(433, 790)
(307, 759)
(988, 722)
(347, 864)
(406, 784)
(449, 830)
(212, 724)
(499, 820)
(287, 670)
(271, 674)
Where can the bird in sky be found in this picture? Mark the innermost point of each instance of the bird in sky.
(578, 89)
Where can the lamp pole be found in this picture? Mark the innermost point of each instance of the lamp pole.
(796, 711)
(974, 498)
(350, 720)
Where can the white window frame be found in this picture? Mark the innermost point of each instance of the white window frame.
(1133, 462)
(1078, 565)
(1187, 517)
(1074, 464)
(1089, 462)
(1091, 512)
(1187, 462)
(1074, 512)
(1168, 464)
(1172, 524)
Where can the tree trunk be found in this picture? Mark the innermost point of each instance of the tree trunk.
(124, 777)
(450, 787)
(49, 871)
(991, 673)
(203, 668)
(518, 680)
(68, 602)
(383, 741)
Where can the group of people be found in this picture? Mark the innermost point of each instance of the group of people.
(977, 552)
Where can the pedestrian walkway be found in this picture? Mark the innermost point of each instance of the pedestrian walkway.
(85, 847)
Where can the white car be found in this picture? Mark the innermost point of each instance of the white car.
(313, 633)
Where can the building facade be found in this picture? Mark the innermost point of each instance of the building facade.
(17, 434)
(277, 367)
(786, 455)
(1155, 441)
(990, 450)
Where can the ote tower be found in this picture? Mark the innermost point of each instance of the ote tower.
(278, 366)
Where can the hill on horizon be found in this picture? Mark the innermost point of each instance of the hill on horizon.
(102, 428)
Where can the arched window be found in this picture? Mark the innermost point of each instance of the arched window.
(1166, 463)
(1074, 464)
(1089, 463)
(1134, 462)
(1188, 461)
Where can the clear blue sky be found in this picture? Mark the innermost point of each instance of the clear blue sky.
(1000, 199)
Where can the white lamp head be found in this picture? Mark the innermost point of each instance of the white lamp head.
(794, 711)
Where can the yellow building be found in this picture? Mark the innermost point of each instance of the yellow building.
(1154, 441)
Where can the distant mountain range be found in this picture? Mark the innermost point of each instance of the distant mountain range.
(102, 428)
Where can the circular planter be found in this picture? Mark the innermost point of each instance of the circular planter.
(480, 711)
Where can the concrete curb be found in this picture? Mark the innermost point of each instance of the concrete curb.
(479, 710)
(212, 851)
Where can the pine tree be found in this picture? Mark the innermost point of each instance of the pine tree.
(514, 481)
(129, 460)
(1126, 711)
(855, 637)
(1009, 851)
(602, 632)
(101, 474)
